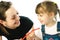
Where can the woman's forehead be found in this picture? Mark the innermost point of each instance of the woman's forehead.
(11, 11)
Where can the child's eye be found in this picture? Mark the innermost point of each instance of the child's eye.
(40, 15)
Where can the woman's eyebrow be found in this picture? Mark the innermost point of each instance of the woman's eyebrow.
(17, 13)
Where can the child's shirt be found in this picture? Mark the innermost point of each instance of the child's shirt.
(48, 30)
(51, 30)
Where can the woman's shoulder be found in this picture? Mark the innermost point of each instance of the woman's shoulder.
(0, 32)
(24, 17)
(25, 20)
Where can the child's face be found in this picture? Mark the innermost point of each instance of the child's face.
(43, 16)
(12, 18)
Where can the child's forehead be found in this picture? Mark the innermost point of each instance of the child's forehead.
(41, 10)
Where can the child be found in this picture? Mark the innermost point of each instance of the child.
(46, 12)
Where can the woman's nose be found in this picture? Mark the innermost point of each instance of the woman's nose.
(17, 18)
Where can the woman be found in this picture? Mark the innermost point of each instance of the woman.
(11, 25)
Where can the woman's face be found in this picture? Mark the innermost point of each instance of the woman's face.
(12, 18)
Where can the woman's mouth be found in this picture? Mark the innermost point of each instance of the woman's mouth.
(18, 22)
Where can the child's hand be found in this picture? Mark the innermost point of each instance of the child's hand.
(32, 36)
(20, 39)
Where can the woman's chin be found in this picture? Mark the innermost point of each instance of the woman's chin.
(17, 25)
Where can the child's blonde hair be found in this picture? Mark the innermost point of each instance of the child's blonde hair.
(48, 6)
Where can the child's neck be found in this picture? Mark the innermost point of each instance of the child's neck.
(50, 23)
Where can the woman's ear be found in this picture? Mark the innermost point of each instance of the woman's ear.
(3, 22)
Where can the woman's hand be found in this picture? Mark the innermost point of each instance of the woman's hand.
(0, 37)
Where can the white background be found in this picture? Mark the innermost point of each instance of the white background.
(27, 8)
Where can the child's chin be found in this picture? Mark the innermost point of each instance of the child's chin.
(42, 23)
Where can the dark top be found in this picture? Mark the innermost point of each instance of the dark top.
(20, 31)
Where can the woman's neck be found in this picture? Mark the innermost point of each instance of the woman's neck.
(50, 23)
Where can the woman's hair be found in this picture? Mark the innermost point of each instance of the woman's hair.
(48, 6)
(4, 6)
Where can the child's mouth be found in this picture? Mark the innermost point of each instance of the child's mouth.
(41, 21)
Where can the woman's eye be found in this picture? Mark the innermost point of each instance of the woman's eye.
(17, 13)
(13, 17)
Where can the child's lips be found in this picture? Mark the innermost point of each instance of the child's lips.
(41, 21)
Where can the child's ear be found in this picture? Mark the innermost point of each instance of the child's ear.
(51, 14)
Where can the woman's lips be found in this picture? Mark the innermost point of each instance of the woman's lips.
(17, 22)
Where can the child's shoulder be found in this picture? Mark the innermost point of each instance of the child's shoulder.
(58, 26)
(58, 23)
